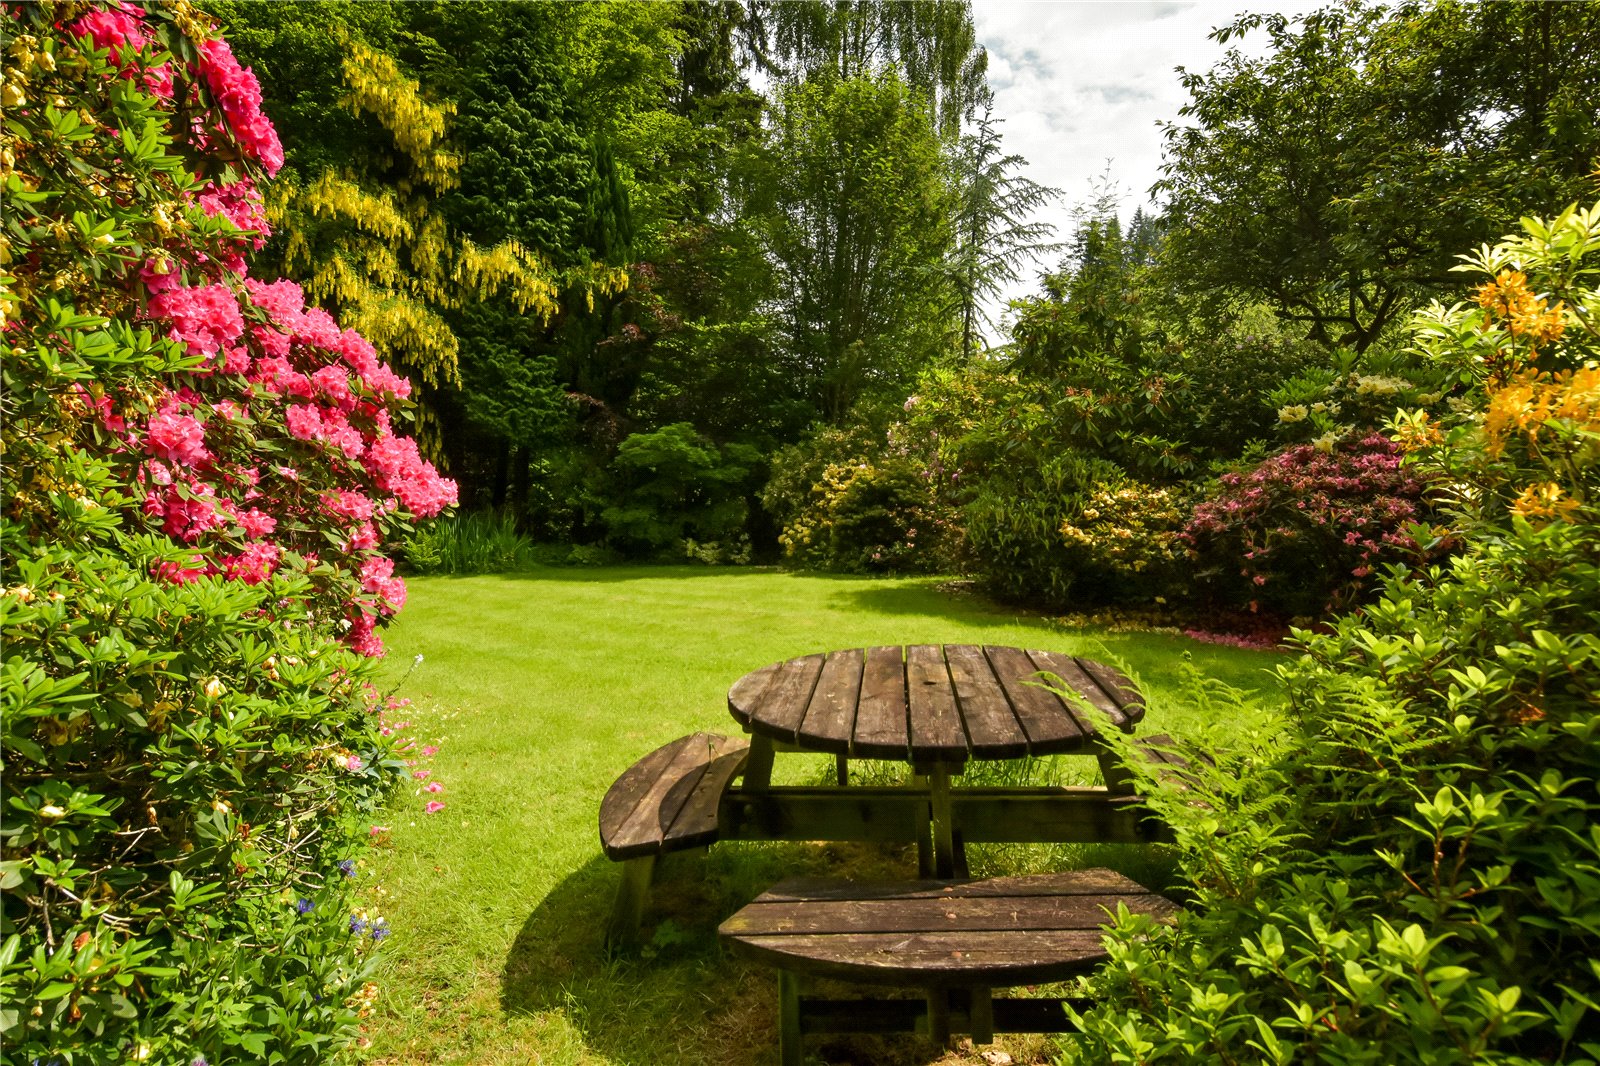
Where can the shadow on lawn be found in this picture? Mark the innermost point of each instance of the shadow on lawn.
(681, 1000)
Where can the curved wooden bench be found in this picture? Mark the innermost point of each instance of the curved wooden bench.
(941, 936)
(665, 802)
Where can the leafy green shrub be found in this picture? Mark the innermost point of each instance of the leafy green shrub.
(1129, 538)
(675, 485)
(850, 500)
(482, 542)
(1413, 876)
(861, 516)
(1355, 395)
(1226, 401)
(1014, 524)
(200, 474)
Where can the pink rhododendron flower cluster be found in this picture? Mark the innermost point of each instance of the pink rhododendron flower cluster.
(238, 94)
(1340, 512)
(314, 397)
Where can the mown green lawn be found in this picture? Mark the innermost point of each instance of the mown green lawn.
(539, 688)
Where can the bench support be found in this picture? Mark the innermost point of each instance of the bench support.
(789, 1013)
(939, 1014)
(623, 929)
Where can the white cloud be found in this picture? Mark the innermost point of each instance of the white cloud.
(1081, 82)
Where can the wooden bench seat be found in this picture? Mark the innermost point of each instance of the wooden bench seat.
(665, 802)
(955, 939)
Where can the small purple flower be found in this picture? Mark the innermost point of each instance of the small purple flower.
(380, 931)
(199, 1060)
(347, 867)
(304, 905)
(358, 924)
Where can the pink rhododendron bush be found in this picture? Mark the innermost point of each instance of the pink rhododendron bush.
(201, 474)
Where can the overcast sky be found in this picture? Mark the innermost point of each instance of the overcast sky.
(1081, 82)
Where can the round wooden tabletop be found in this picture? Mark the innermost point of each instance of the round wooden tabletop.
(935, 703)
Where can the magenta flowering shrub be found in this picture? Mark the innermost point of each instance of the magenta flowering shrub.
(280, 438)
(201, 475)
(1306, 529)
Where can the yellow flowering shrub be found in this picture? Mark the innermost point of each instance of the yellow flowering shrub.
(1129, 536)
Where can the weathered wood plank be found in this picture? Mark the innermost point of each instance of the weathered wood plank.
(978, 916)
(1169, 763)
(745, 695)
(782, 706)
(642, 830)
(933, 960)
(1095, 882)
(934, 720)
(985, 712)
(1081, 682)
(822, 813)
(1116, 684)
(624, 795)
(830, 717)
(880, 731)
(1050, 727)
(909, 1015)
(1059, 816)
(695, 823)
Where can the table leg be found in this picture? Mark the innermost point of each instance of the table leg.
(758, 764)
(925, 867)
(1117, 778)
(842, 764)
(944, 846)
(939, 1016)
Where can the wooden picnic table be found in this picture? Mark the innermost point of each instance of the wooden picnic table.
(936, 707)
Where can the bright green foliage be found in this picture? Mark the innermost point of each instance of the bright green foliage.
(676, 487)
(481, 542)
(994, 236)
(192, 755)
(931, 42)
(851, 202)
(1414, 875)
(1335, 175)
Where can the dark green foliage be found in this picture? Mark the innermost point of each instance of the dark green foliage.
(1336, 175)
(850, 201)
(1014, 518)
(672, 486)
(1413, 874)
(530, 171)
(1229, 399)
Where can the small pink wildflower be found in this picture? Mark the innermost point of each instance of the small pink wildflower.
(433, 786)
(353, 763)
(433, 807)
(421, 775)
(430, 750)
